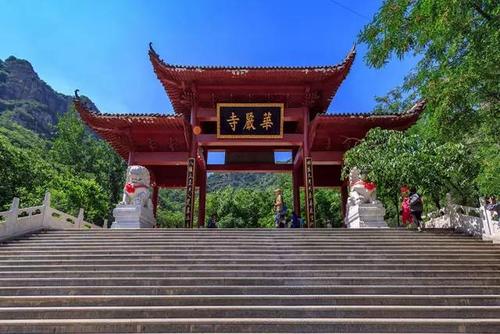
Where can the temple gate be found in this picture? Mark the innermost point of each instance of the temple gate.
(249, 113)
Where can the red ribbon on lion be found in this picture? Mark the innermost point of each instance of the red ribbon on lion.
(370, 186)
(129, 187)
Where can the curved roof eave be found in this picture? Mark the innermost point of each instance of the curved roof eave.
(174, 77)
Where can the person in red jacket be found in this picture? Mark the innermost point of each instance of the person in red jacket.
(405, 207)
(405, 211)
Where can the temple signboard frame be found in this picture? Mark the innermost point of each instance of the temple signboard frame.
(250, 120)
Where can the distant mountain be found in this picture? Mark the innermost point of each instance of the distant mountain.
(217, 181)
(28, 100)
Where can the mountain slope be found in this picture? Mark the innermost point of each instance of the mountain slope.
(28, 100)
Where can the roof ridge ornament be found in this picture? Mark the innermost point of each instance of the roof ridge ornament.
(418, 107)
(152, 51)
(77, 97)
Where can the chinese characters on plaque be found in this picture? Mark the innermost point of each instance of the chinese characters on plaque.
(250, 120)
(190, 191)
(310, 212)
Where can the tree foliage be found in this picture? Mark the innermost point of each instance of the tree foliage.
(79, 170)
(456, 141)
(392, 159)
(238, 205)
(457, 43)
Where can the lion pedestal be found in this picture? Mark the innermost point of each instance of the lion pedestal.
(363, 209)
(132, 216)
(136, 208)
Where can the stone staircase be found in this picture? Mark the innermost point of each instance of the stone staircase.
(249, 281)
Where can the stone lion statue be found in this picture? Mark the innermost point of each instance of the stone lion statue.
(360, 191)
(137, 190)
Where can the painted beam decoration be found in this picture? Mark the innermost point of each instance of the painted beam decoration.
(250, 120)
(190, 190)
(309, 185)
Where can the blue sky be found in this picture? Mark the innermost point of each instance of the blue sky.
(100, 47)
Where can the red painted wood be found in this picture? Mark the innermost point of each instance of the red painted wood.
(130, 158)
(154, 199)
(238, 83)
(305, 136)
(161, 158)
(287, 140)
(296, 191)
(344, 195)
(202, 198)
(327, 157)
(299, 159)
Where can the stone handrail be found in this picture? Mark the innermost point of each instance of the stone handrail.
(465, 219)
(19, 221)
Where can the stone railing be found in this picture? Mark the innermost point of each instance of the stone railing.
(478, 222)
(18, 221)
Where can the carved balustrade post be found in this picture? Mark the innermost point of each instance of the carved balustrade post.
(46, 220)
(11, 221)
(486, 220)
(79, 219)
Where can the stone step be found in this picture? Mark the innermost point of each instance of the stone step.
(247, 325)
(242, 300)
(137, 260)
(167, 266)
(194, 258)
(253, 239)
(251, 242)
(256, 249)
(425, 274)
(246, 230)
(288, 246)
(244, 281)
(281, 311)
(397, 288)
(251, 254)
(260, 281)
(246, 237)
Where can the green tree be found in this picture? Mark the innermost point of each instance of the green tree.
(328, 207)
(88, 157)
(458, 72)
(392, 159)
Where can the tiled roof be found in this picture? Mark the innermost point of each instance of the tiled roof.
(175, 78)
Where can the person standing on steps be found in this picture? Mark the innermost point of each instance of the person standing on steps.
(295, 223)
(212, 222)
(279, 209)
(416, 208)
(405, 207)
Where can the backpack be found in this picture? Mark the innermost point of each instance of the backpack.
(284, 209)
(416, 203)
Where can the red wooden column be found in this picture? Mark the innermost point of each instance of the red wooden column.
(344, 194)
(202, 158)
(296, 190)
(202, 198)
(154, 199)
(130, 161)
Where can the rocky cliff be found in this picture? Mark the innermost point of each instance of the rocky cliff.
(28, 100)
